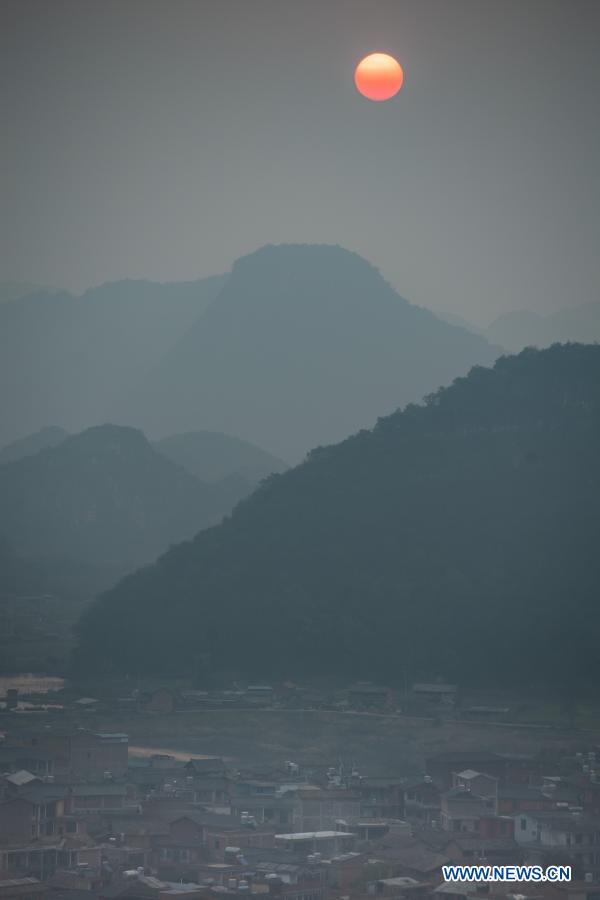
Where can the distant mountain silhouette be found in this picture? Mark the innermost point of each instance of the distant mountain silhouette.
(12, 290)
(458, 537)
(212, 457)
(49, 436)
(104, 496)
(454, 319)
(304, 345)
(67, 359)
(522, 328)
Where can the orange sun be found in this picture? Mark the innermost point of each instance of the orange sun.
(378, 76)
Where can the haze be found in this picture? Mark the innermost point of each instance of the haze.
(164, 140)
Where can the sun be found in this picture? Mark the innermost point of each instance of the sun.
(378, 76)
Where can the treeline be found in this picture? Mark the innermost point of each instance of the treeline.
(458, 537)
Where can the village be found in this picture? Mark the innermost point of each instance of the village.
(85, 816)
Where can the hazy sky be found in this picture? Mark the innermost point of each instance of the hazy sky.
(165, 138)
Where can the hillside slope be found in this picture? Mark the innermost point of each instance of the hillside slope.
(49, 436)
(211, 456)
(304, 345)
(103, 496)
(458, 537)
(72, 357)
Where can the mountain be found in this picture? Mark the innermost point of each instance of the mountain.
(212, 457)
(49, 436)
(521, 328)
(104, 496)
(71, 581)
(303, 345)
(72, 357)
(12, 290)
(452, 318)
(456, 537)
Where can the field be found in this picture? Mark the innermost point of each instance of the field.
(376, 743)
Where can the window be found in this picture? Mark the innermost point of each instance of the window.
(523, 824)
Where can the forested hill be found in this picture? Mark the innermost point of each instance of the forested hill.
(457, 538)
(104, 497)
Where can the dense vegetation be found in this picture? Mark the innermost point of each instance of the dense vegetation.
(459, 537)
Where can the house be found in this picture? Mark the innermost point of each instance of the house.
(46, 808)
(42, 859)
(16, 780)
(434, 694)
(478, 783)
(493, 827)
(365, 695)
(492, 851)
(13, 758)
(585, 789)
(260, 694)
(209, 791)
(177, 854)
(78, 754)
(16, 820)
(327, 843)
(344, 869)
(254, 787)
(461, 810)
(137, 886)
(266, 810)
(412, 858)
(104, 796)
(318, 810)
(514, 798)
(205, 765)
(455, 890)
(521, 768)
(219, 839)
(140, 832)
(401, 887)
(422, 800)
(508, 768)
(161, 701)
(380, 796)
(548, 835)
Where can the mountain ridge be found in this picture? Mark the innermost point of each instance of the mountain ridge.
(307, 343)
(74, 355)
(448, 532)
(104, 496)
(212, 456)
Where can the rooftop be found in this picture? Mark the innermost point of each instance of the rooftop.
(313, 835)
(424, 688)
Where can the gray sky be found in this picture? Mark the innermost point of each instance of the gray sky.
(165, 138)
